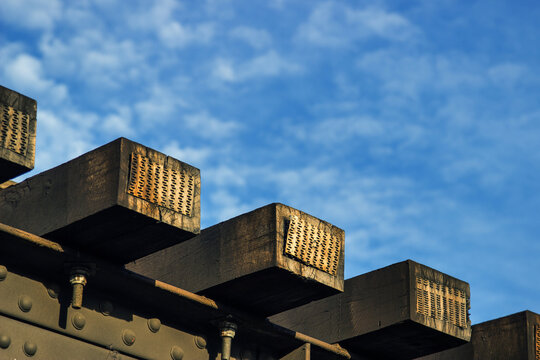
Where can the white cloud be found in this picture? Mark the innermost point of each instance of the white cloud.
(256, 38)
(119, 123)
(195, 156)
(60, 139)
(507, 73)
(336, 25)
(25, 73)
(176, 35)
(410, 76)
(270, 64)
(33, 14)
(210, 127)
(96, 58)
(225, 205)
(160, 106)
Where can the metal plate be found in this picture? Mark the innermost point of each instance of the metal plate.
(100, 321)
(14, 134)
(23, 337)
(160, 185)
(312, 245)
(441, 302)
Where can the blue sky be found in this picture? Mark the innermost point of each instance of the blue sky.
(412, 125)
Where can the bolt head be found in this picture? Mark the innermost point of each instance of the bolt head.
(177, 353)
(106, 308)
(78, 320)
(3, 272)
(200, 342)
(53, 290)
(29, 348)
(129, 337)
(25, 303)
(154, 325)
(5, 341)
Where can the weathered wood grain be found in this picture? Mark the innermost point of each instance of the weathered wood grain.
(86, 203)
(511, 337)
(242, 261)
(377, 315)
(17, 133)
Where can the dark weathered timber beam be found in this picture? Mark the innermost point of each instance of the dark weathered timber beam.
(401, 311)
(515, 336)
(122, 201)
(17, 134)
(268, 260)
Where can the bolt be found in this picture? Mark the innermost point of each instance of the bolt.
(29, 348)
(128, 336)
(106, 308)
(3, 272)
(25, 303)
(228, 330)
(5, 341)
(200, 342)
(154, 325)
(53, 290)
(177, 353)
(78, 320)
(78, 281)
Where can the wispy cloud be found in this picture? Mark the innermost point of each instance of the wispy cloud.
(256, 38)
(25, 72)
(207, 126)
(336, 25)
(33, 14)
(269, 64)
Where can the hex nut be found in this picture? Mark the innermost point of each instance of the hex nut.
(29, 348)
(5, 341)
(177, 353)
(25, 303)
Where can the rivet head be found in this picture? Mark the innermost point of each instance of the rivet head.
(78, 320)
(3, 272)
(5, 341)
(53, 290)
(128, 336)
(29, 348)
(106, 308)
(25, 303)
(200, 342)
(154, 325)
(177, 353)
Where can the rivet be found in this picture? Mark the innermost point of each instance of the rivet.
(78, 320)
(29, 348)
(3, 272)
(106, 308)
(128, 336)
(177, 353)
(53, 290)
(5, 341)
(154, 325)
(200, 342)
(25, 303)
